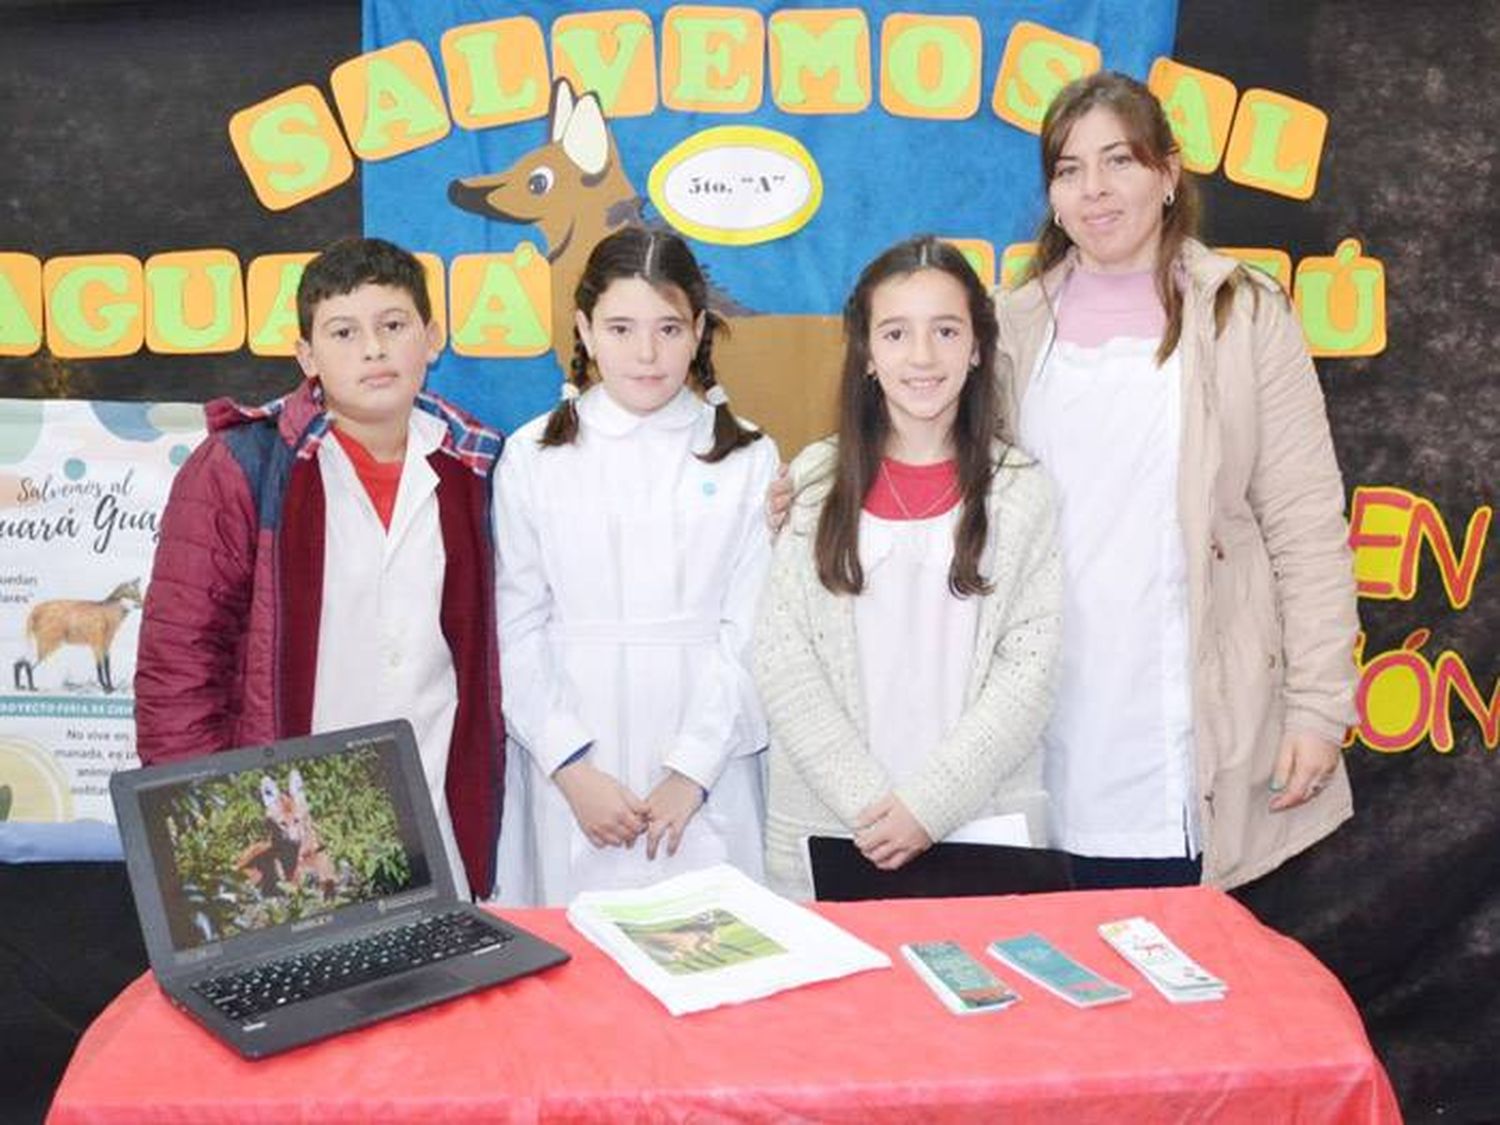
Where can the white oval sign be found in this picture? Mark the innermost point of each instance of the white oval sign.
(737, 185)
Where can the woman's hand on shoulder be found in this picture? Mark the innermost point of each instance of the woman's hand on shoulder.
(779, 499)
(888, 835)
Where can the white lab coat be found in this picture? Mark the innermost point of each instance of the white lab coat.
(1106, 422)
(629, 572)
(381, 652)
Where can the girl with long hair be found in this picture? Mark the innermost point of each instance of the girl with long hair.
(906, 638)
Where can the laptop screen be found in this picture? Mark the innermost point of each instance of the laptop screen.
(281, 842)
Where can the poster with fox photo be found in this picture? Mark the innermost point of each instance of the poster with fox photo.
(82, 487)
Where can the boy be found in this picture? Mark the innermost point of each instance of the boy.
(327, 559)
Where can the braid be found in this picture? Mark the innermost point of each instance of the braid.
(729, 433)
(578, 367)
(663, 261)
(702, 366)
(562, 424)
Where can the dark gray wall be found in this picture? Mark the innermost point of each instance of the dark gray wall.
(1404, 903)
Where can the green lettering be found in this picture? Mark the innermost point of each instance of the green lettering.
(802, 52)
(288, 135)
(1187, 113)
(502, 304)
(111, 320)
(16, 327)
(488, 95)
(283, 311)
(1014, 267)
(701, 62)
(392, 100)
(954, 74)
(168, 285)
(1316, 301)
(1265, 138)
(580, 45)
(1044, 68)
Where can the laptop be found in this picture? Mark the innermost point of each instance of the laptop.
(294, 891)
(841, 873)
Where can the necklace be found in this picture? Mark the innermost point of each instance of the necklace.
(932, 506)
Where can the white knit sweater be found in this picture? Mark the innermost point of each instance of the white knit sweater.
(822, 773)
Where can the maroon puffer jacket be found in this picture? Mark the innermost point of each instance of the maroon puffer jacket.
(229, 640)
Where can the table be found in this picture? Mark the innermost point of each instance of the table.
(583, 1042)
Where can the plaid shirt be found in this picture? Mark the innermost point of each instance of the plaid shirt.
(467, 439)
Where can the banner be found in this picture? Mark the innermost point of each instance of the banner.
(789, 144)
(82, 486)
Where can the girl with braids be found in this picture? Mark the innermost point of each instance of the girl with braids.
(632, 547)
(906, 639)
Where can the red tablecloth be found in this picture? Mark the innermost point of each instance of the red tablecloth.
(584, 1042)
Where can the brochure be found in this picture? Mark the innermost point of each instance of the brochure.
(715, 936)
(1171, 971)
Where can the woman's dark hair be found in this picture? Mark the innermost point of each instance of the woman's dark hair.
(662, 260)
(1151, 142)
(865, 425)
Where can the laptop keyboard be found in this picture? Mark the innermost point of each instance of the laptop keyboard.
(250, 992)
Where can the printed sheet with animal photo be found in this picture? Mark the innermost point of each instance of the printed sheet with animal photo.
(716, 936)
(82, 487)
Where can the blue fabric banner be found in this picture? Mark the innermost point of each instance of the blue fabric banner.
(884, 174)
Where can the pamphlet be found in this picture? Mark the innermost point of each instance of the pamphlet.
(1046, 964)
(715, 936)
(1169, 970)
(960, 982)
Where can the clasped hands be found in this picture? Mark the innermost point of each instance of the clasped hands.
(886, 833)
(610, 815)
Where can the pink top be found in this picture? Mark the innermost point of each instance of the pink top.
(1099, 307)
(912, 492)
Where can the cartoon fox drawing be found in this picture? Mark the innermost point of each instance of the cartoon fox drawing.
(782, 370)
(294, 852)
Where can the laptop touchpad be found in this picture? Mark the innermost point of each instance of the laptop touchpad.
(405, 991)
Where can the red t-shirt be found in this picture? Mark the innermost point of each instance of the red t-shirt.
(381, 479)
(913, 492)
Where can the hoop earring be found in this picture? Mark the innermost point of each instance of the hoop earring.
(1169, 199)
(1057, 220)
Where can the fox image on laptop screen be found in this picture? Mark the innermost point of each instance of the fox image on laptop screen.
(272, 845)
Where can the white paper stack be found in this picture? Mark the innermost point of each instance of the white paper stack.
(1171, 971)
(716, 936)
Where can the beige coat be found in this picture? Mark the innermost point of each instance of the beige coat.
(1271, 604)
(822, 774)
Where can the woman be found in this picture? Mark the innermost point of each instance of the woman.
(1207, 672)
